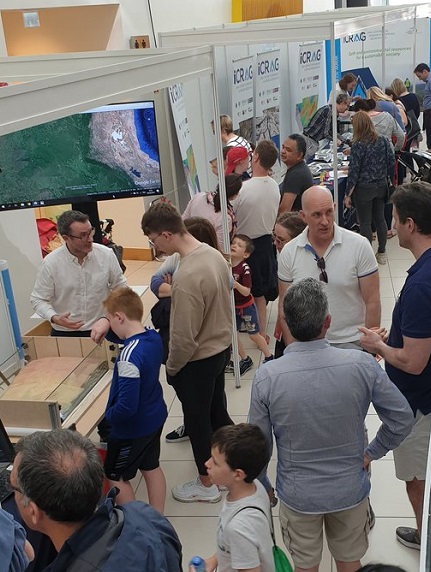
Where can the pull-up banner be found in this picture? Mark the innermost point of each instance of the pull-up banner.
(179, 113)
(242, 91)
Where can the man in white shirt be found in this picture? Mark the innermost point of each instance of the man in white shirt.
(256, 210)
(342, 259)
(74, 279)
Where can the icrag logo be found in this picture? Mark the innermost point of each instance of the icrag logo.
(267, 66)
(310, 56)
(361, 37)
(242, 74)
(176, 92)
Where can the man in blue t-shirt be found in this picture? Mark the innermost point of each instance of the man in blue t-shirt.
(407, 352)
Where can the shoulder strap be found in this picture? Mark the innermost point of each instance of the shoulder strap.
(270, 522)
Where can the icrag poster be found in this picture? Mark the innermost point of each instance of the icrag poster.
(311, 74)
(364, 49)
(268, 99)
(179, 113)
(242, 91)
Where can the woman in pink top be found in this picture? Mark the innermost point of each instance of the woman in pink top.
(207, 205)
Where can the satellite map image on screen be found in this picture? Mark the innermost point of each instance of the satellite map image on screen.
(98, 152)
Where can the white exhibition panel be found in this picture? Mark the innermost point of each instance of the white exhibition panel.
(47, 99)
(289, 33)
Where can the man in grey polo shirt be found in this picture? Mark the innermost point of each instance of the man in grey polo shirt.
(314, 399)
(342, 259)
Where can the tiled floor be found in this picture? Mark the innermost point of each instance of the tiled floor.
(196, 523)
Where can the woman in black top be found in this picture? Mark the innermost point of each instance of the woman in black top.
(371, 161)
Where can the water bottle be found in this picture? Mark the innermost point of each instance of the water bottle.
(197, 563)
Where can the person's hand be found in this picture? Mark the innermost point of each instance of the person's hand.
(367, 462)
(64, 321)
(99, 330)
(383, 333)
(347, 202)
(235, 284)
(371, 341)
(167, 278)
(346, 151)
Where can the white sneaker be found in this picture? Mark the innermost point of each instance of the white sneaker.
(381, 257)
(195, 491)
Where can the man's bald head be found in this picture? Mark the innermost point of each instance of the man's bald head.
(315, 195)
(318, 214)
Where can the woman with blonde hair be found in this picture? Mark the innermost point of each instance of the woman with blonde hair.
(385, 103)
(409, 100)
(371, 162)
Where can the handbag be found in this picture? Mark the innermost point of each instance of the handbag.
(281, 561)
(390, 189)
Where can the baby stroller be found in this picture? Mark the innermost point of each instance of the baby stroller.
(418, 164)
(106, 225)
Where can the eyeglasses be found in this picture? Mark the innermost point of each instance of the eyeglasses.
(151, 240)
(321, 265)
(84, 235)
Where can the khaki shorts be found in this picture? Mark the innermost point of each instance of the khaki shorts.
(346, 534)
(411, 456)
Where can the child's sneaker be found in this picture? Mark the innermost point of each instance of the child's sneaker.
(195, 491)
(267, 359)
(245, 365)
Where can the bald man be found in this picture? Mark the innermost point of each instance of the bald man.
(340, 258)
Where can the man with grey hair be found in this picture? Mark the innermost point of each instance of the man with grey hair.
(314, 399)
(73, 281)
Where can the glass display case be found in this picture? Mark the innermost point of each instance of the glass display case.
(71, 372)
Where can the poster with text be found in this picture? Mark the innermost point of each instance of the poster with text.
(179, 113)
(268, 100)
(310, 83)
(364, 49)
(242, 94)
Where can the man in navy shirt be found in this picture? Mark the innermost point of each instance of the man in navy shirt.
(422, 72)
(407, 352)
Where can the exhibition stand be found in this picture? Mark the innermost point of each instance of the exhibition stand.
(294, 36)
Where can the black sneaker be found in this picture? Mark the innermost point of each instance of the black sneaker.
(267, 359)
(177, 435)
(408, 536)
(245, 365)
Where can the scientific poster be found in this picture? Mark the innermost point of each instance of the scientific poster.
(179, 113)
(311, 74)
(242, 91)
(268, 100)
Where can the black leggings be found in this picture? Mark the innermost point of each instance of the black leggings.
(370, 206)
(200, 388)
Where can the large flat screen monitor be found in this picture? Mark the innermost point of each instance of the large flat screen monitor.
(110, 152)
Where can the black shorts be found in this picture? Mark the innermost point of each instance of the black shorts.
(263, 266)
(125, 457)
